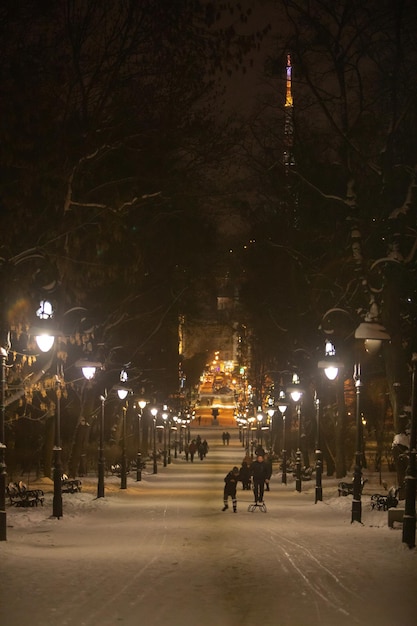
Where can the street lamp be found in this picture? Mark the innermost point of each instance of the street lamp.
(89, 369)
(165, 418)
(57, 471)
(101, 461)
(282, 406)
(142, 404)
(331, 368)
(259, 418)
(252, 428)
(319, 457)
(122, 393)
(373, 334)
(170, 428)
(45, 338)
(44, 335)
(409, 520)
(296, 394)
(271, 413)
(175, 429)
(154, 413)
(4, 350)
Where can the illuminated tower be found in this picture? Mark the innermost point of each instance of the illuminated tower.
(291, 202)
(289, 127)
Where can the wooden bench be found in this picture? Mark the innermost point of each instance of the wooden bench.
(20, 496)
(70, 485)
(346, 489)
(384, 502)
(395, 515)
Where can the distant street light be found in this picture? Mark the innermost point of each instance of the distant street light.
(296, 394)
(165, 418)
(259, 418)
(154, 413)
(142, 404)
(271, 413)
(175, 429)
(89, 369)
(331, 367)
(169, 440)
(122, 393)
(319, 457)
(282, 406)
(101, 460)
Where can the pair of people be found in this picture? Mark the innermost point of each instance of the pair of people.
(260, 473)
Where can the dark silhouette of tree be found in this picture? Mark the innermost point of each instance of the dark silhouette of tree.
(354, 180)
(110, 151)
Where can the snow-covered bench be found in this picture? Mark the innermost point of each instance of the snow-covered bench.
(346, 489)
(20, 496)
(70, 485)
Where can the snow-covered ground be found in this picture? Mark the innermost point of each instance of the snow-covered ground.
(162, 553)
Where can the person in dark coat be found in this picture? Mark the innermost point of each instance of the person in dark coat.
(259, 451)
(192, 449)
(244, 475)
(259, 472)
(230, 484)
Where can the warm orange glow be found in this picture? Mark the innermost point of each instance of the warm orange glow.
(288, 97)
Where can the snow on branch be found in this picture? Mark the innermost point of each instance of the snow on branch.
(70, 202)
(411, 191)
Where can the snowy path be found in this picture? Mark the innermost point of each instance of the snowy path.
(162, 553)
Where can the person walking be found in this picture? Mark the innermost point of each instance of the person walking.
(244, 475)
(259, 451)
(205, 447)
(230, 484)
(192, 449)
(259, 473)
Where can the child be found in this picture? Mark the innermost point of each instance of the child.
(230, 484)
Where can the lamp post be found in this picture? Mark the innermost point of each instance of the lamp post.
(296, 395)
(259, 418)
(282, 406)
(89, 369)
(154, 413)
(142, 404)
(271, 413)
(165, 418)
(181, 437)
(122, 393)
(331, 369)
(100, 480)
(319, 457)
(372, 333)
(169, 441)
(357, 472)
(57, 471)
(175, 429)
(3, 354)
(409, 520)
(45, 338)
